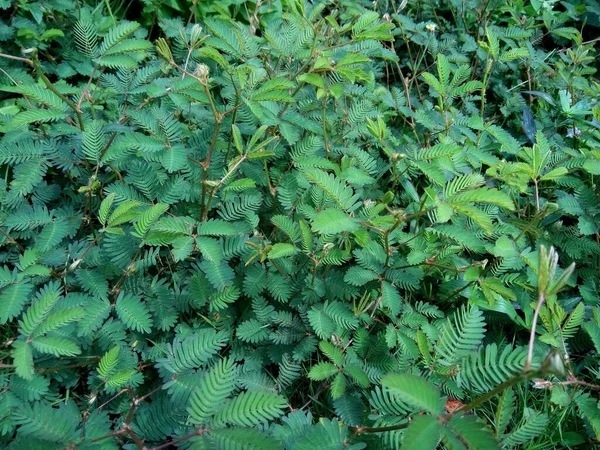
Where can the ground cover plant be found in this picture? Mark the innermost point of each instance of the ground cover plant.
(298, 224)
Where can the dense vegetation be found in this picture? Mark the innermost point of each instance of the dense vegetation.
(299, 224)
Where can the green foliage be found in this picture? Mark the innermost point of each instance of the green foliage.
(299, 224)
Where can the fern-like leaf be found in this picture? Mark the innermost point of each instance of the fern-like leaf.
(460, 335)
(212, 391)
(414, 391)
(252, 408)
(134, 313)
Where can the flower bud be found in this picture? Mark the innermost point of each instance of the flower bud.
(201, 73)
(195, 34)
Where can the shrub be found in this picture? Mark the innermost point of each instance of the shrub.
(298, 225)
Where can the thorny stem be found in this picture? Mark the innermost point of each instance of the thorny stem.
(205, 165)
(145, 396)
(109, 435)
(324, 121)
(38, 69)
(577, 383)
(10, 239)
(121, 392)
(321, 389)
(362, 430)
(524, 376)
(537, 196)
(126, 427)
(399, 220)
(221, 181)
(198, 432)
(488, 68)
(126, 272)
(70, 366)
(406, 83)
(272, 190)
(127, 423)
(233, 118)
(541, 299)
(17, 58)
(86, 88)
